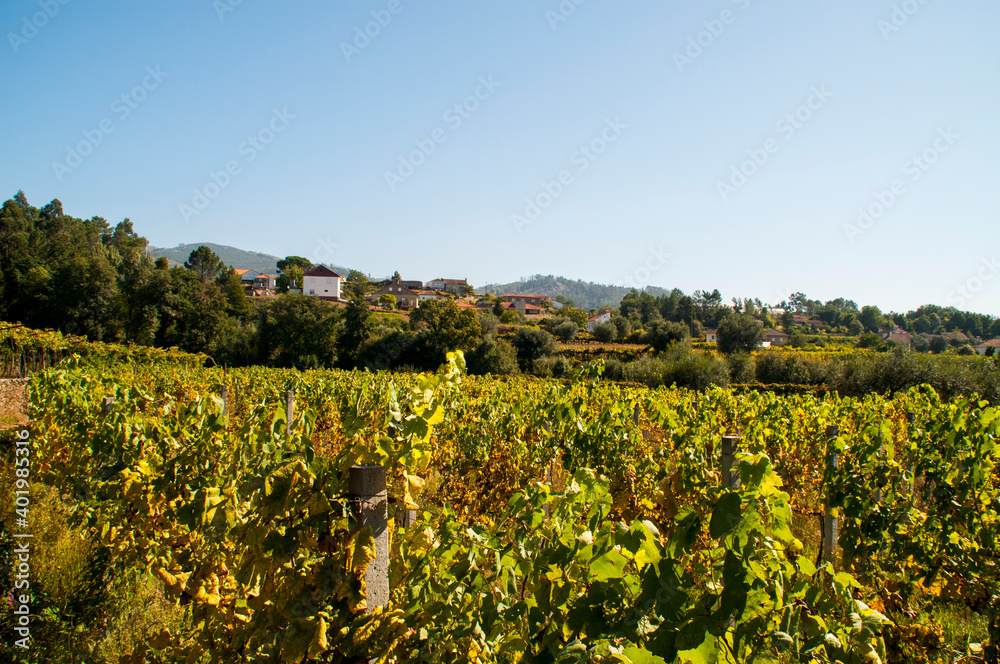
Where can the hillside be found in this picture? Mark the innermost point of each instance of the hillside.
(243, 260)
(584, 294)
(238, 258)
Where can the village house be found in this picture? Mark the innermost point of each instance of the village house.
(537, 300)
(984, 348)
(524, 308)
(597, 320)
(322, 282)
(899, 337)
(712, 336)
(775, 338)
(406, 297)
(456, 286)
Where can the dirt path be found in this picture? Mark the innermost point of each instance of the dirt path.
(13, 402)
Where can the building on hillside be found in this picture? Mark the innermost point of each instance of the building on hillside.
(597, 320)
(537, 300)
(449, 285)
(524, 308)
(406, 297)
(712, 336)
(984, 348)
(424, 296)
(322, 282)
(899, 337)
(775, 338)
(265, 282)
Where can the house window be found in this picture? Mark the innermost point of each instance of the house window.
(312, 292)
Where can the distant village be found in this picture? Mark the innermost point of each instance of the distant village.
(326, 284)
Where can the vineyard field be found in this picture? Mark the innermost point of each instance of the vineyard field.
(555, 521)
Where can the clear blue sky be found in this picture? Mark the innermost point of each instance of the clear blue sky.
(621, 78)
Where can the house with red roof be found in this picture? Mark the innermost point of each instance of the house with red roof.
(322, 282)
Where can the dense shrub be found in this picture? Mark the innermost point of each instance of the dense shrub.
(661, 334)
(531, 344)
(605, 332)
(741, 368)
(678, 366)
(552, 367)
(492, 356)
(566, 331)
(775, 367)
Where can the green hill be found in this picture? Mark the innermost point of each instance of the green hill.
(584, 294)
(238, 258)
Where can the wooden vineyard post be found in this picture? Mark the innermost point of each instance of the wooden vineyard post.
(911, 419)
(730, 477)
(366, 484)
(635, 415)
(106, 405)
(829, 522)
(290, 413)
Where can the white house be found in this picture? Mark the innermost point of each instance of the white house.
(712, 336)
(982, 349)
(322, 282)
(597, 320)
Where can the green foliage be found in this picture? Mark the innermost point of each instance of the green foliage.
(357, 326)
(740, 333)
(605, 332)
(871, 341)
(493, 356)
(449, 327)
(679, 366)
(661, 334)
(531, 344)
(205, 264)
(566, 330)
(297, 332)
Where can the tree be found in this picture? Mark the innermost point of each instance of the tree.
(291, 271)
(357, 283)
(566, 330)
(395, 276)
(623, 327)
(205, 264)
(298, 332)
(232, 286)
(162, 263)
(387, 301)
(606, 332)
(938, 345)
(531, 344)
(303, 264)
(662, 334)
(854, 326)
(871, 319)
(356, 330)
(488, 323)
(740, 333)
(492, 356)
(871, 341)
(797, 339)
(449, 327)
(788, 321)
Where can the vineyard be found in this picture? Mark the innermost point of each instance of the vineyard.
(528, 520)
